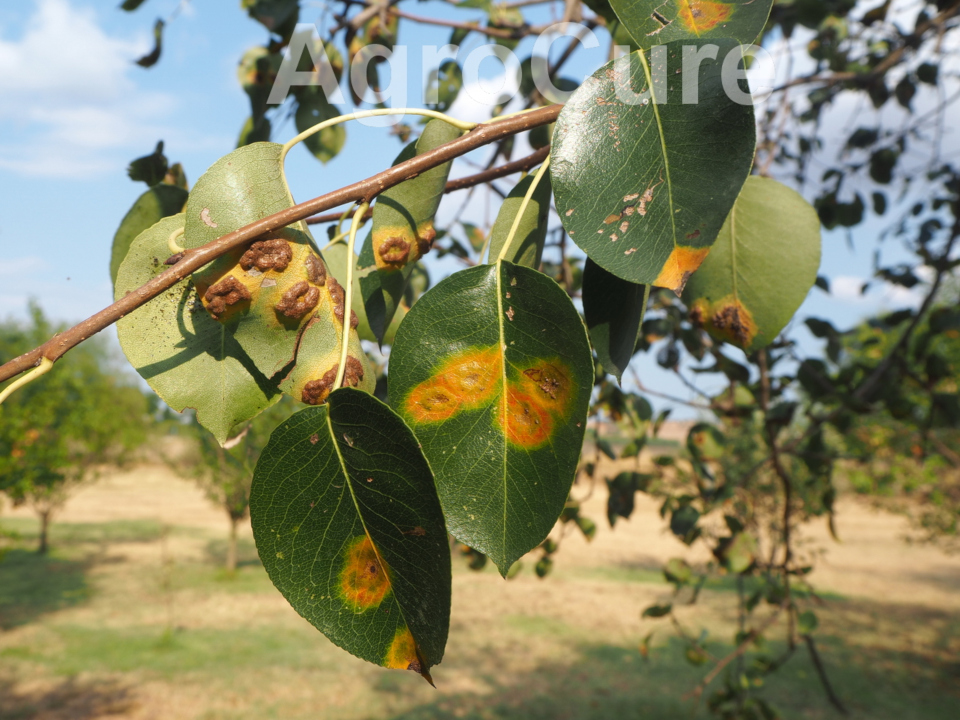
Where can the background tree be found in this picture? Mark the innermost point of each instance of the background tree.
(55, 435)
(225, 472)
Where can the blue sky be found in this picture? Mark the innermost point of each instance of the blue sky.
(74, 110)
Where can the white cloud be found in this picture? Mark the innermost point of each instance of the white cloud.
(880, 294)
(68, 97)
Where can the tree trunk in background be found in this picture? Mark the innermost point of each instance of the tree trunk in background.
(232, 547)
(44, 530)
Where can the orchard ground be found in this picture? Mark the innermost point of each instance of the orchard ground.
(130, 617)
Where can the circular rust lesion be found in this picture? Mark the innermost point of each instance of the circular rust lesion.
(394, 251)
(316, 392)
(298, 300)
(338, 297)
(265, 255)
(224, 294)
(316, 272)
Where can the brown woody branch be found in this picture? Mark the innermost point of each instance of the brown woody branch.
(193, 260)
(521, 165)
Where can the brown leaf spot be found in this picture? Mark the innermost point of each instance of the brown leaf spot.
(316, 392)
(611, 219)
(694, 235)
(316, 272)
(394, 251)
(314, 439)
(300, 299)
(264, 255)
(509, 313)
(225, 293)
(732, 321)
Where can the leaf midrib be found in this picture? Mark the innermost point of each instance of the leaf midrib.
(503, 396)
(663, 145)
(356, 506)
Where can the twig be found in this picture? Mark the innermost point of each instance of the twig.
(524, 163)
(822, 674)
(362, 191)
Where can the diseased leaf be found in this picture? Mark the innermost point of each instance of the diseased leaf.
(761, 268)
(526, 248)
(336, 258)
(492, 370)
(403, 229)
(158, 202)
(267, 293)
(613, 310)
(187, 357)
(655, 22)
(644, 186)
(257, 73)
(348, 525)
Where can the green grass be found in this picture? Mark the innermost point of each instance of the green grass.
(32, 585)
(67, 534)
(519, 665)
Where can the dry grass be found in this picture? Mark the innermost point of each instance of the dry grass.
(130, 618)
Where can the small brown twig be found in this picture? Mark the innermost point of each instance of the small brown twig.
(524, 163)
(822, 674)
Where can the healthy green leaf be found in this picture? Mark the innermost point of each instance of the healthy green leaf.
(761, 268)
(613, 310)
(643, 186)
(348, 525)
(313, 108)
(493, 371)
(186, 356)
(654, 22)
(158, 202)
(526, 247)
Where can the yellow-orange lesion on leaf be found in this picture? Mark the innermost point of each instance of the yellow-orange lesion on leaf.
(550, 384)
(404, 654)
(395, 246)
(700, 16)
(364, 579)
(678, 268)
(526, 422)
(727, 319)
(464, 382)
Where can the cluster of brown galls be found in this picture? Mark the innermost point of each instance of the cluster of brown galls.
(301, 298)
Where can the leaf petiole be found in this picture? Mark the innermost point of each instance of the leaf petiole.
(42, 369)
(523, 208)
(348, 291)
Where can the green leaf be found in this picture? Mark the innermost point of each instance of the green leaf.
(761, 268)
(657, 611)
(250, 133)
(257, 72)
(313, 108)
(336, 258)
(678, 571)
(150, 169)
(613, 310)
(272, 14)
(240, 188)
(348, 525)
(187, 357)
(444, 83)
(151, 58)
(644, 186)
(493, 371)
(807, 622)
(131, 5)
(526, 248)
(403, 229)
(741, 552)
(654, 22)
(158, 202)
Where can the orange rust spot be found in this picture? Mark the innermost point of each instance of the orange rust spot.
(404, 654)
(550, 384)
(432, 401)
(363, 579)
(527, 423)
(679, 267)
(700, 16)
(464, 381)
